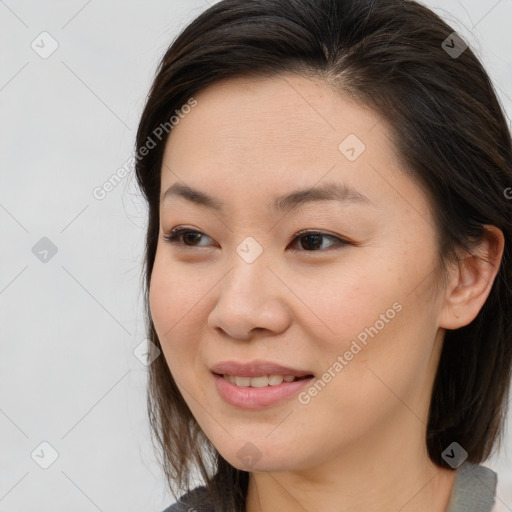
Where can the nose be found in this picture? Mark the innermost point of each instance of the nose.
(251, 298)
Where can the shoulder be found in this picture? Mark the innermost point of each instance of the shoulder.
(196, 500)
(474, 489)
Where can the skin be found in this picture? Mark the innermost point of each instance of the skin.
(359, 444)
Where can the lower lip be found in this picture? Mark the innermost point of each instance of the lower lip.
(257, 398)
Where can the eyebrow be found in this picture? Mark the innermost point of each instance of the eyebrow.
(329, 191)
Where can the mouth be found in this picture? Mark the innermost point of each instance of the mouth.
(259, 391)
(258, 383)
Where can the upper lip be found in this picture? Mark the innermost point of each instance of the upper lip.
(256, 368)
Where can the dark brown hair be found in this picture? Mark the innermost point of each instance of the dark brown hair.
(451, 135)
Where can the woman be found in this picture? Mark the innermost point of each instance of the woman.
(327, 260)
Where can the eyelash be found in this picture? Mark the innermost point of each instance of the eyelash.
(173, 236)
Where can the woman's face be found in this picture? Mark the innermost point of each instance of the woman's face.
(349, 303)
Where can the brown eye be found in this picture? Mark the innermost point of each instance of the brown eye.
(312, 241)
(189, 237)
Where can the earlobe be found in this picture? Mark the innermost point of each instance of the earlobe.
(471, 281)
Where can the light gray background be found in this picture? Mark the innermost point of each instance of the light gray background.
(69, 326)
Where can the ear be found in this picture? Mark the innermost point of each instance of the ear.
(471, 281)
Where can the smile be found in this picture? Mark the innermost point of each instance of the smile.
(259, 392)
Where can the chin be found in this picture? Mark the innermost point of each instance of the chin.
(262, 456)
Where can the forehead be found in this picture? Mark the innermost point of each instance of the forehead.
(287, 115)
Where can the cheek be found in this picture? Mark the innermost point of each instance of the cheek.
(381, 324)
(173, 300)
(343, 301)
(175, 292)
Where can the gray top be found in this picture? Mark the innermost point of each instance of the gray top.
(474, 490)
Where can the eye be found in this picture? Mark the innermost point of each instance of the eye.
(189, 235)
(313, 239)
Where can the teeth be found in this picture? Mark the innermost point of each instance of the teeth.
(275, 380)
(259, 382)
(256, 382)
